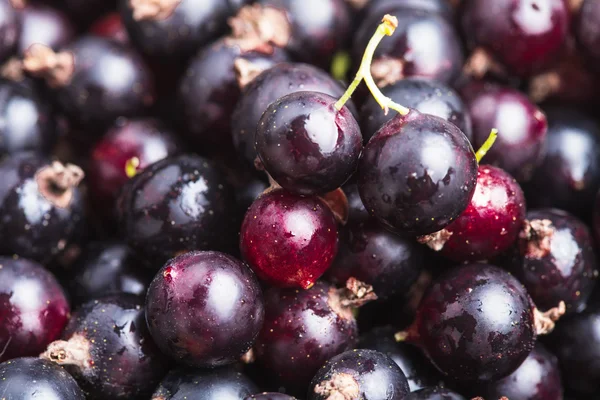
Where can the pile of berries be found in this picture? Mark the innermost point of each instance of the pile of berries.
(299, 199)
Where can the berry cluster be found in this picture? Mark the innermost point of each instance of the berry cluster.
(299, 199)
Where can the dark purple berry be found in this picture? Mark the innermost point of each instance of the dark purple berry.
(425, 45)
(28, 120)
(427, 97)
(84, 11)
(442, 7)
(576, 344)
(289, 240)
(521, 125)
(212, 85)
(109, 351)
(110, 26)
(33, 308)
(95, 80)
(418, 370)
(475, 323)
(176, 205)
(356, 209)
(128, 147)
(204, 384)
(269, 86)
(270, 396)
(569, 175)
(302, 330)
(306, 144)
(435, 393)
(489, 225)
(537, 378)
(175, 29)
(10, 29)
(33, 378)
(378, 257)
(204, 309)
(41, 206)
(524, 36)
(107, 268)
(359, 374)
(555, 259)
(587, 33)
(44, 25)
(417, 174)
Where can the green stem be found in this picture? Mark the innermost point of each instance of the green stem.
(487, 145)
(386, 28)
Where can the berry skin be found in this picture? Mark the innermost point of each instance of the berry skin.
(210, 89)
(41, 207)
(356, 208)
(436, 393)
(33, 378)
(84, 90)
(311, 325)
(204, 309)
(269, 86)
(46, 25)
(127, 148)
(555, 259)
(419, 371)
(176, 205)
(110, 26)
(569, 175)
(107, 268)
(441, 7)
(33, 308)
(356, 374)
(204, 384)
(288, 240)
(306, 144)
(576, 344)
(417, 174)
(10, 28)
(586, 32)
(270, 396)
(522, 126)
(537, 378)
(424, 45)
(29, 123)
(376, 256)
(109, 351)
(475, 323)
(489, 225)
(178, 31)
(524, 36)
(425, 96)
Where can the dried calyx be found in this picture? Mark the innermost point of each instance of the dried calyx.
(436, 240)
(259, 28)
(480, 63)
(55, 68)
(544, 322)
(387, 71)
(12, 70)
(340, 386)
(246, 71)
(355, 294)
(75, 351)
(153, 10)
(535, 239)
(57, 181)
(18, 4)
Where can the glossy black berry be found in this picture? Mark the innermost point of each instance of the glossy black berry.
(435, 393)
(555, 259)
(378, 257)
(33, 378)
(569, 175)
(95, 80)
(417, 174)
(212, 84)
(270, 396)
(475, 323)
(272, 84)
(204, 309)
(306, 144)
(29, 123)
(46, 25)
(419, 371)
(425, 96)
(10, 29)
(107, 268)
(176, 205)
(109, 351)
(357, 374)
(41, 206)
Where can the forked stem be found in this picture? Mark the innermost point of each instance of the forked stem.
(487, 145)
(386, 28)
